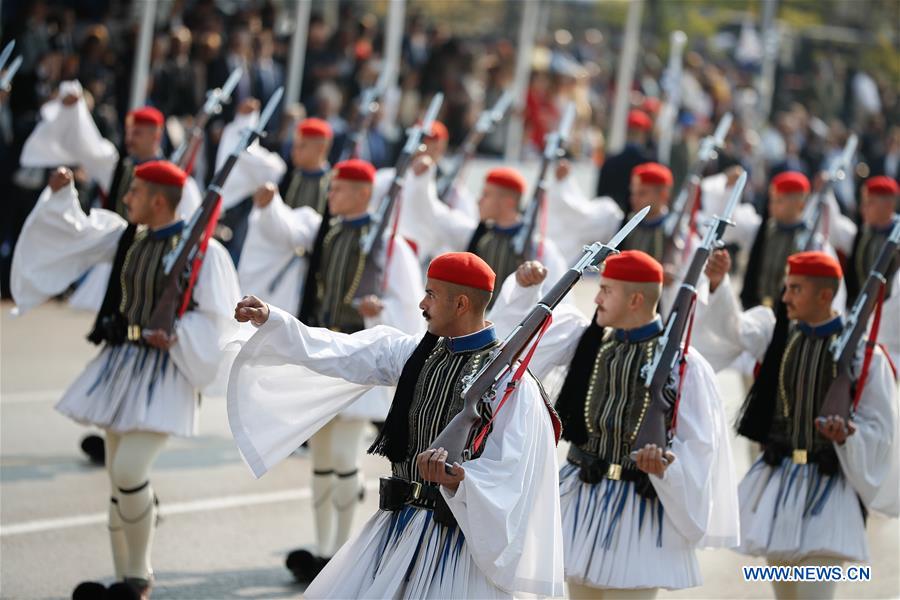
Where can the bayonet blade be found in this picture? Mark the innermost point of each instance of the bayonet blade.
(231, 83)
(736, 194)
(271, 105)
(722, 130)
(627, 228)
(501, 106)
(10, 73)
(7, 52)
(432, 113)
(565, 124)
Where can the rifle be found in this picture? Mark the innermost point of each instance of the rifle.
(368, 105)
(382, 216)
(553, 150)
(182, 265)
(186, 153)
(839, 399)
(807, 238)
(672, 85)
(671, 347)
(482, 386)
(676, 227)
(486, 122)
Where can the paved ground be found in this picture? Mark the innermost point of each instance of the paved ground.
(224, 534)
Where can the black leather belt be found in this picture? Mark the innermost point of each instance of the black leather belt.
(593, 469)
(825, 458)
(395, 492)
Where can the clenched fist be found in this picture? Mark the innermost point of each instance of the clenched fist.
(421, 164)
(717, 267)
(251, 309)
(248, 106)
(59, 179)
(264, 194)
(530, 273)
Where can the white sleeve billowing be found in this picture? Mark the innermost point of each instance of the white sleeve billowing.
(254, 167)
(870, 458)
(58, 243)
(508, 503)
(841, 229)
(574, 221)
(404, 292)
(191, 199)
(205, 331)
(698, 490)
(722, 331)
(560, 341)
(426, 219)
(67, 135)
(289, 380)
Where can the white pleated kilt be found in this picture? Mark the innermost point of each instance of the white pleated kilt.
(403, 554)
(792, 512)
(615, 538)
(133, 388)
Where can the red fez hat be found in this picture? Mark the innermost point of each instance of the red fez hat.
(147, 115)
(314, 127)
(508, 178)
(633, 265)
(462, 268)
(791, 182)
(814, 264)
(653, 174)
(651, 105)
(161, 172)
(882, 186)
(638, 119)
(438, 131)
(355, 170)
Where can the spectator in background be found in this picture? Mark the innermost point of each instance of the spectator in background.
(615, 174)
(174, 92)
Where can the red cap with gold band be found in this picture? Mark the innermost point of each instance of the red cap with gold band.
(508, 178)
(313, 127)
(633, 265)
(438, 131)
(146, 115)
(653, 174)
(814, 264)
(882, 186)
(161, 172)
(355, 170)
(462, 268)
(791, 182)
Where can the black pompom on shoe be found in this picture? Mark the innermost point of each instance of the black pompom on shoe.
(90, 590)
(132, 588)
(95, 448)
(304, 565)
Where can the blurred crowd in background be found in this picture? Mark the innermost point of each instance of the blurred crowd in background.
(825, 84)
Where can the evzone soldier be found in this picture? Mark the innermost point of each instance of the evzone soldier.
(632, 522)
(144, 384)
(487, 529)
(805, 499)
(574, 217)
(878, 210)
(426, 218)
(263, 267)
(67, 135)
(342, 291)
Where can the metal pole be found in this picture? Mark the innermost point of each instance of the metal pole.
(527, 30)
(669, 112)
(625, 76)
(298, 52)
(393, 39)
(141, 71)
(766, 84)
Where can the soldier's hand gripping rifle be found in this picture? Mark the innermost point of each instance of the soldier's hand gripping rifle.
(676, 228)
(456, 438)
(840, 397)
(554, 147)
(382, 216)
(485, 124)
(670, 348)
(808, 238)
(182, 265)
(368, 105)
(186, 153)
